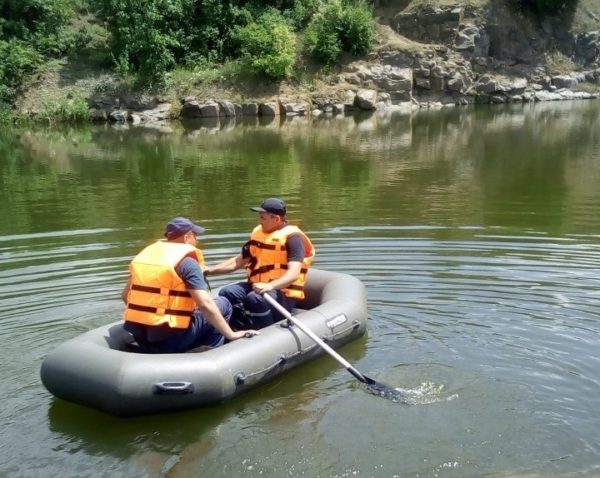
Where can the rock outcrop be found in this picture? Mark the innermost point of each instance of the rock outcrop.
(465, 56)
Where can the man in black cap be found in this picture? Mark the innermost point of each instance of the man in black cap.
(169, 307)
(276, 258)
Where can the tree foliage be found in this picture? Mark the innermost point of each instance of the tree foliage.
(268, 45)
(17, 60)
(150, 38)
(340, 25)
(41, 23)
(29, 31)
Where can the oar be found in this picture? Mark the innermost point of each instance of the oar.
(373, 386)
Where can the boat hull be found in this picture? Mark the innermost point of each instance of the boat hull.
(99, 369)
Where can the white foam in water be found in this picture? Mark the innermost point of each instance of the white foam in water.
(427, 392)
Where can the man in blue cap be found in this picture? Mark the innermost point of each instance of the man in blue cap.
(276, 258)
(169, 306)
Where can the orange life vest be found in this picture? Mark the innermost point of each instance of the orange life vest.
(269, 258)
(157, 294)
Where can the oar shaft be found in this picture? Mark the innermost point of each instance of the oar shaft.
(315, 338)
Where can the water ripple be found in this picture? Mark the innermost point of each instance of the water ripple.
(512, 317)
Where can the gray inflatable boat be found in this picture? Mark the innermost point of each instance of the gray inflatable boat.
(100, 369)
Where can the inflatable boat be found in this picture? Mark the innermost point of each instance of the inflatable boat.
(101, 368)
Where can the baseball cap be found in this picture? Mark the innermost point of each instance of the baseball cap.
(178, 226)
(272, 205)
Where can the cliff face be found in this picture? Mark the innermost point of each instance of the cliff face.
(481, 51)
(492, 31)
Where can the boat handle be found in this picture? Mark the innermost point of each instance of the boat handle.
(240, 377)
(173, 388)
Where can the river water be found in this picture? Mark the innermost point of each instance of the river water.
(476, 232)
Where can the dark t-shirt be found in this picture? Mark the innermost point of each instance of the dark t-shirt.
(190, 272)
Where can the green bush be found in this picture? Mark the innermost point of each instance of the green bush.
(31, 30)
(358, 28)
(268, 46)
(322, 36)
(300, 12)
(44, 24)
(340, 25)
(147, 36)
(212, 24)
(5, 111)
(65, 110)
(324, 44)
(152, 37)
(17, 60)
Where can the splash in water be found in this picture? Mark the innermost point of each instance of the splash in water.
(426, 393)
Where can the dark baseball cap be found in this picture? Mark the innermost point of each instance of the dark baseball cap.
(178, 226)
(272, 205)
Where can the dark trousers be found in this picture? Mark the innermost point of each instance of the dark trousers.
(251, 310)
(164, 340)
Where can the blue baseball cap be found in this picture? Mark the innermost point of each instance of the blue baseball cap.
(272, 205)
(181, 225)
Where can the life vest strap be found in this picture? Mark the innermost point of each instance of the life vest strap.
(266, 268)
(145, 308)
(262, 245)
(157, 290)
(270, 267)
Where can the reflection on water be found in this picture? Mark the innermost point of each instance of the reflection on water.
(475, 232)
(520, 163)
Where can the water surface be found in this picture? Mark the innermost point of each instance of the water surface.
(475, 231)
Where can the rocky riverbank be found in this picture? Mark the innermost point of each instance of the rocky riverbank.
(427, 56)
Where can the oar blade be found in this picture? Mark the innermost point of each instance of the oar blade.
(384, 391)
(373, 386)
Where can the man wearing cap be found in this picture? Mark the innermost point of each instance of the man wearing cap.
(276, 258)
(169, 308)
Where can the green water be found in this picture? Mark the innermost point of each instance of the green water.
(475, 231)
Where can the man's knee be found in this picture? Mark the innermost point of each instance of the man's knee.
(255, 302)
(234, 293)
(225, 292)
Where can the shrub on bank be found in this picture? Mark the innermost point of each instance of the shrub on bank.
(29, 31)
(65, 110)
(341, 25)
(300, 12)
(43, 24)
(268, 45)
(358, 28)
(153, 37)
(147, 37)
(17, 61)
(5, 113)
(323, 38)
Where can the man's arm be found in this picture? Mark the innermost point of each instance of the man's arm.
(190, 272)
(211, 312)
(291, 274)
(295, 251)
(227, 266)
